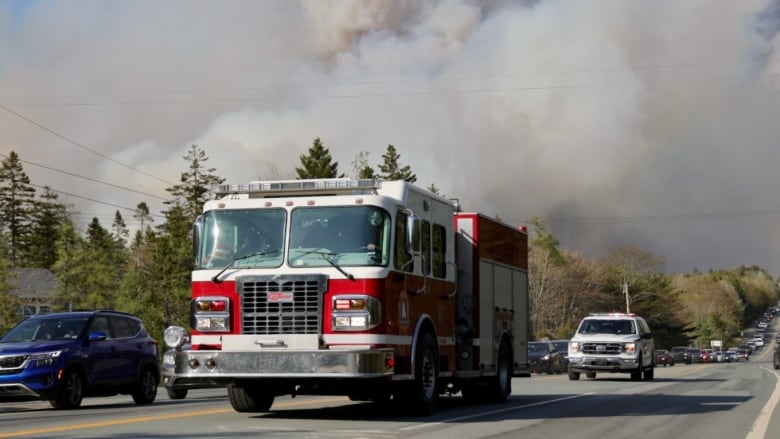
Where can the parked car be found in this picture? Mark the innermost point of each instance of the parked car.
(680, 354)
(663, 358)
(544, 357)
(695, 355)
(730, 356)
(562, 346)
(64, 357)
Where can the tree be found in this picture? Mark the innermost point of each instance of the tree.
(196, 184)
(390, 169)
(361, 167)
(318, 164)
(17, 198)
(47, 219)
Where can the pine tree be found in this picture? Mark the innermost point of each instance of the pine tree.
(17, 199)
(361, 167)
(195, 187)
(47, 219)
(318, 164)
(390, 169)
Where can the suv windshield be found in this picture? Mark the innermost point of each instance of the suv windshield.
(67, 328)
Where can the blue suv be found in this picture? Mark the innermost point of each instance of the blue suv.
(64, 357)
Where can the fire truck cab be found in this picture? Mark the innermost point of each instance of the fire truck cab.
(378, 290)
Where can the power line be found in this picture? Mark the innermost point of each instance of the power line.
(131, 209)
(667, 217)
(73, 142)
(90, 179)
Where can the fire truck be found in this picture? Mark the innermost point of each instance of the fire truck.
(378, 290)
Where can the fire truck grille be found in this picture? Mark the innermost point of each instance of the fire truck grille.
(281, 305)
(602, 348)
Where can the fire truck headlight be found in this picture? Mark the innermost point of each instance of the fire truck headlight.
(211, 323)
(210, 314)
(174, 337)
(356, 313)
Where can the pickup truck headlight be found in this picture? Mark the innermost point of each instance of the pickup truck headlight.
(630, 347)
(574, 347)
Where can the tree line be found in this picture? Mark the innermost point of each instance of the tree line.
(147, 273)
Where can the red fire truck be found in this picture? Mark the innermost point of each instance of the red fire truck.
(378, 290)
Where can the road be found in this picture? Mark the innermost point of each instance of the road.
(716, 401)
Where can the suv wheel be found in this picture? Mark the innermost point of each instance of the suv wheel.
(146, 390)
(71, 391)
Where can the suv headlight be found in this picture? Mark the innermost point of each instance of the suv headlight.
(45, 359)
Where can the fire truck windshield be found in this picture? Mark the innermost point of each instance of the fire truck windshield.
(347, 236)
(244, 237)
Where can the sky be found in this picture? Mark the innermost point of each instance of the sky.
(620, 122)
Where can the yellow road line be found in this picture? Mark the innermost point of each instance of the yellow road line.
(87, 425)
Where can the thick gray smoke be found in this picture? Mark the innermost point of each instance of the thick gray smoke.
(648, 123)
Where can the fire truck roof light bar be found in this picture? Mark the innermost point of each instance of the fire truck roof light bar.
(280, 186)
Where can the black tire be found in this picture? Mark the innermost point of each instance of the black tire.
(500, 386)
(574, 376)
(247, 398)
(176, 393)
(146, 388)
(419, 397)
(636, 374)
(71, 391)
(649, 373)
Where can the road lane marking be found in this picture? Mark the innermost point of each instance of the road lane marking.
(100, 424)
(758, 430)
(493, 412)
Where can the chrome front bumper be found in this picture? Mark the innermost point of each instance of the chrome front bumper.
(191, 369)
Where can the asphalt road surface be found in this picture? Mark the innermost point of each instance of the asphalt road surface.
(716, 401)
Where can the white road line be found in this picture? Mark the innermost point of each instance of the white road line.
(758, 430)
(493, 412)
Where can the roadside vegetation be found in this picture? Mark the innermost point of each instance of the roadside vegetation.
(147, 272)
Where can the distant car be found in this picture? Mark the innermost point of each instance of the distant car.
(680, 354)
(663, 358)
(743, 354)
(695, 355)
(562, 346)
(64, 357)
(730, 356)
(776, 358)
(544, 357)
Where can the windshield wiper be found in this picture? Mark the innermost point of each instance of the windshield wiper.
(216, 278)
(327, 256)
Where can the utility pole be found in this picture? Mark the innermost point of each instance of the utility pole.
(625, 291)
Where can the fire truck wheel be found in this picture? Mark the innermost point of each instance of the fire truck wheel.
(500, 386)
(419, 396)
(248, 398)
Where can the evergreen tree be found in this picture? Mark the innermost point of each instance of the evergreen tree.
(318, 164)
(390, 169)
(47, 219)
(361, 167)
(17, 199)
(195, 187)
(10, 314)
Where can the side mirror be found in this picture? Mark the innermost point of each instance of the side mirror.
(412, 223)
(196, 227)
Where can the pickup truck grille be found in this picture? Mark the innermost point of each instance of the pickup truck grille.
(602, 348)
(281, 304)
